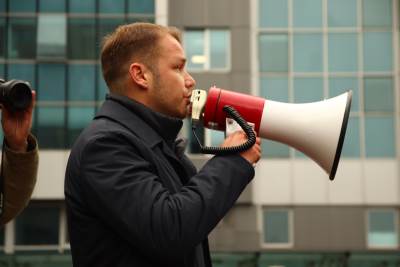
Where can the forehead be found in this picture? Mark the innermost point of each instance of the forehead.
(170, 47)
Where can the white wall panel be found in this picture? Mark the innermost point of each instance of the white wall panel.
(381, 182)
(310, 183)
(348, 185)
(272, 183)
(50, 181)
(302, 182)
(161, 9)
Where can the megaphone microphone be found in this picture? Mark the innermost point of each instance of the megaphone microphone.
(317, 129)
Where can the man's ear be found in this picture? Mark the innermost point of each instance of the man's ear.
(140, 75)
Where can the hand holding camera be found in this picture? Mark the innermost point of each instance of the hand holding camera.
(17, 101)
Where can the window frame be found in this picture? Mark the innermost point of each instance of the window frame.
(396, 229)
(290, 229)
(207, 50)
(12, 244)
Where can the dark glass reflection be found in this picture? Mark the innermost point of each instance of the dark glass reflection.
(81, 38)
(22, 38)
(37, 225)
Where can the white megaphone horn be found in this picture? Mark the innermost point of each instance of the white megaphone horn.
(317, 129)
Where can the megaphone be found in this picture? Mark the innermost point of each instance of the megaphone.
(317, 129)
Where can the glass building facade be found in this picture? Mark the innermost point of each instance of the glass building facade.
(55, 44)
(310, 50)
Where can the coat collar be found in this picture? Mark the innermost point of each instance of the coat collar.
(151, 126)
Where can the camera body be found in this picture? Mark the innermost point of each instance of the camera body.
(15, 95)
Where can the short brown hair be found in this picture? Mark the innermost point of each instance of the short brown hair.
(138, 41)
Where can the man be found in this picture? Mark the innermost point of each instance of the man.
(133, 198)
(19, 162)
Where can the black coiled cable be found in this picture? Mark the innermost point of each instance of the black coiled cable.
(235, 149)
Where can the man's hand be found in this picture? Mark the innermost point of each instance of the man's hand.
(253, 154)
(16, 126)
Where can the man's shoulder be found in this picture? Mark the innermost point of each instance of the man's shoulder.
(100, 129)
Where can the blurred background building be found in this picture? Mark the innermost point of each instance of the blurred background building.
(286, 50)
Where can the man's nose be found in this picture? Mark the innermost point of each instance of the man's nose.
(189, 81)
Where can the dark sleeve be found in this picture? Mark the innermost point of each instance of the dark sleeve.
(125, 192)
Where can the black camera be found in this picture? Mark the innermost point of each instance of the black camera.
(15, 95)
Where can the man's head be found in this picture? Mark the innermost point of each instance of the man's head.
(146, 62)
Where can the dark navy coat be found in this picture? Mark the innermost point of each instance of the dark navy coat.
(134, 200)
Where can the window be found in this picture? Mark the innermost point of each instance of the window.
(51, 82)
(307, 13)
(37, 225)
(22, 38)
(378, 95)
(377, 13)
(102, 88)
(378, 51)
(141, 6)
(342, 52)
(51, 36)
(52, 6)
(273, 52)
(22, 6)
(24, 72)
(2, 33)
(78, 119)
(341, 13)
(207, 49)
(81, 79)
(307, 52)
(51, 127)
(308, 90)
(194, 47)
(112, 6)
(273, 13)
(81, 38)
(383, 229)
(379, 136)
(277, 228)
(79, 6)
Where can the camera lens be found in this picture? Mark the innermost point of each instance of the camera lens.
(15, 95)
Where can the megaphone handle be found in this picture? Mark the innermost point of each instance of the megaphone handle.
(235, 149)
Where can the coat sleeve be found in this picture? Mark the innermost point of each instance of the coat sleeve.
(19, 174)
(125, 192)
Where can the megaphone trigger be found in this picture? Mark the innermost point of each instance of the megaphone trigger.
(232, 126)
